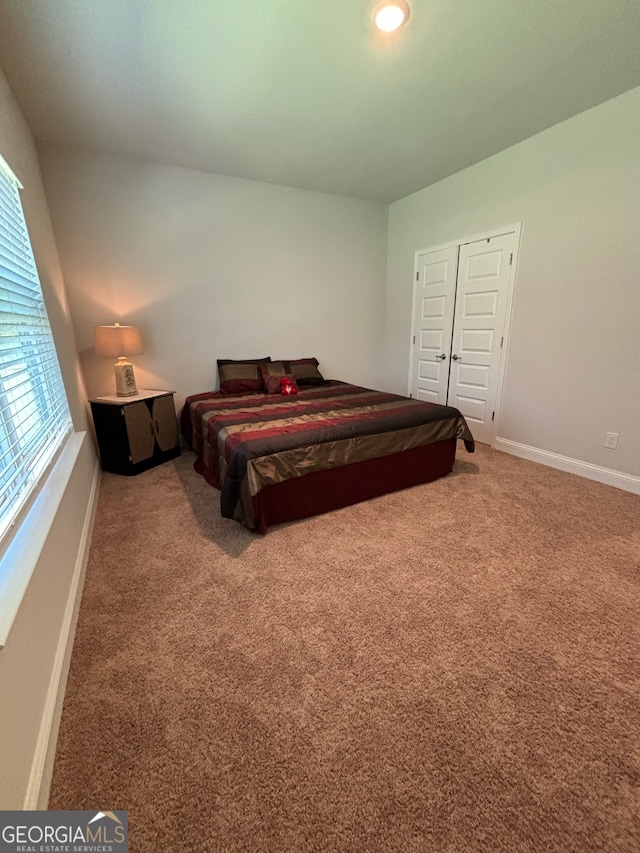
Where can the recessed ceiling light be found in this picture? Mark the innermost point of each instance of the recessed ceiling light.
(390, 15)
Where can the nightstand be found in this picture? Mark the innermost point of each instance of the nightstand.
(136, 433)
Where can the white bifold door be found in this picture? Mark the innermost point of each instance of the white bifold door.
(459, 323)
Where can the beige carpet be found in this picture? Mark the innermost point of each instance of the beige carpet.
(450, 668)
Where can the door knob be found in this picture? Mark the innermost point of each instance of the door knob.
(456, 357)
(442, 356)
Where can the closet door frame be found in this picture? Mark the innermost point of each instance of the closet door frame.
(516, 230)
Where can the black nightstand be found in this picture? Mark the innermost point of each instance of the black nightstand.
(136, 433)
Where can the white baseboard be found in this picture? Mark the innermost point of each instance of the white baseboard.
(627, 482)
(37, 794)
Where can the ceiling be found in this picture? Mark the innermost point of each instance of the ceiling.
(304, 93)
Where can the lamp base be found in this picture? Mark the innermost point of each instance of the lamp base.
(125, 379)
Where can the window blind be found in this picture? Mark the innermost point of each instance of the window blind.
(34, 413)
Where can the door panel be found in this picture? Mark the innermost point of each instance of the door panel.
(474, 376)
(479, 341)
(433, 320)
(164, 420)
(137, 418)
(473, 408)
(481, 303)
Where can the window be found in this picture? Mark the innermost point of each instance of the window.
(34, 413)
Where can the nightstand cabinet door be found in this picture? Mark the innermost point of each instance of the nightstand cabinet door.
(165, 425)
(140, 432)
(136, 435)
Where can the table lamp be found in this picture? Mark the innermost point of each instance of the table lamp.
(120, 342)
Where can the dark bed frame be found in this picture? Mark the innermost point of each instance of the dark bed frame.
(323, 491)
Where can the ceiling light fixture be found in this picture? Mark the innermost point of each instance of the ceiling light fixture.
(390, 15)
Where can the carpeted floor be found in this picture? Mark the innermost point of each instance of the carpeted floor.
(450, 668)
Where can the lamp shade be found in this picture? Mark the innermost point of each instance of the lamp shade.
(117, 340)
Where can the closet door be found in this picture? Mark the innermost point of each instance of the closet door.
(432, 323)
(484, 272)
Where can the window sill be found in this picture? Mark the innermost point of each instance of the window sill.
(23, 552)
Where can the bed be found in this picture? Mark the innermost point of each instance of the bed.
(278, 458)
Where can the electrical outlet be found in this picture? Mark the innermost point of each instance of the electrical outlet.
(611, 440)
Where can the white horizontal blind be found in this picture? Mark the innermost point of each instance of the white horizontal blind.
(34, 413)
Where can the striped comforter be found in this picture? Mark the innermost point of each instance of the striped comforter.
(252, 441)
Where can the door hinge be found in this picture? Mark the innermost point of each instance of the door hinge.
(418, 276)
(414, 339)
(493, 416)
(501, 342)
(511, 259)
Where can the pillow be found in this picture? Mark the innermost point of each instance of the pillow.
(288, 385)
(305, 371)
(242, 360)
(240, 376)
(270, 375)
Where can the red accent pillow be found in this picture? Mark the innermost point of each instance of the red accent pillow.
(288, 385)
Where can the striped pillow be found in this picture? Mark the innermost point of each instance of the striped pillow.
(305, 371)
(240, 376)
(270, 375)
